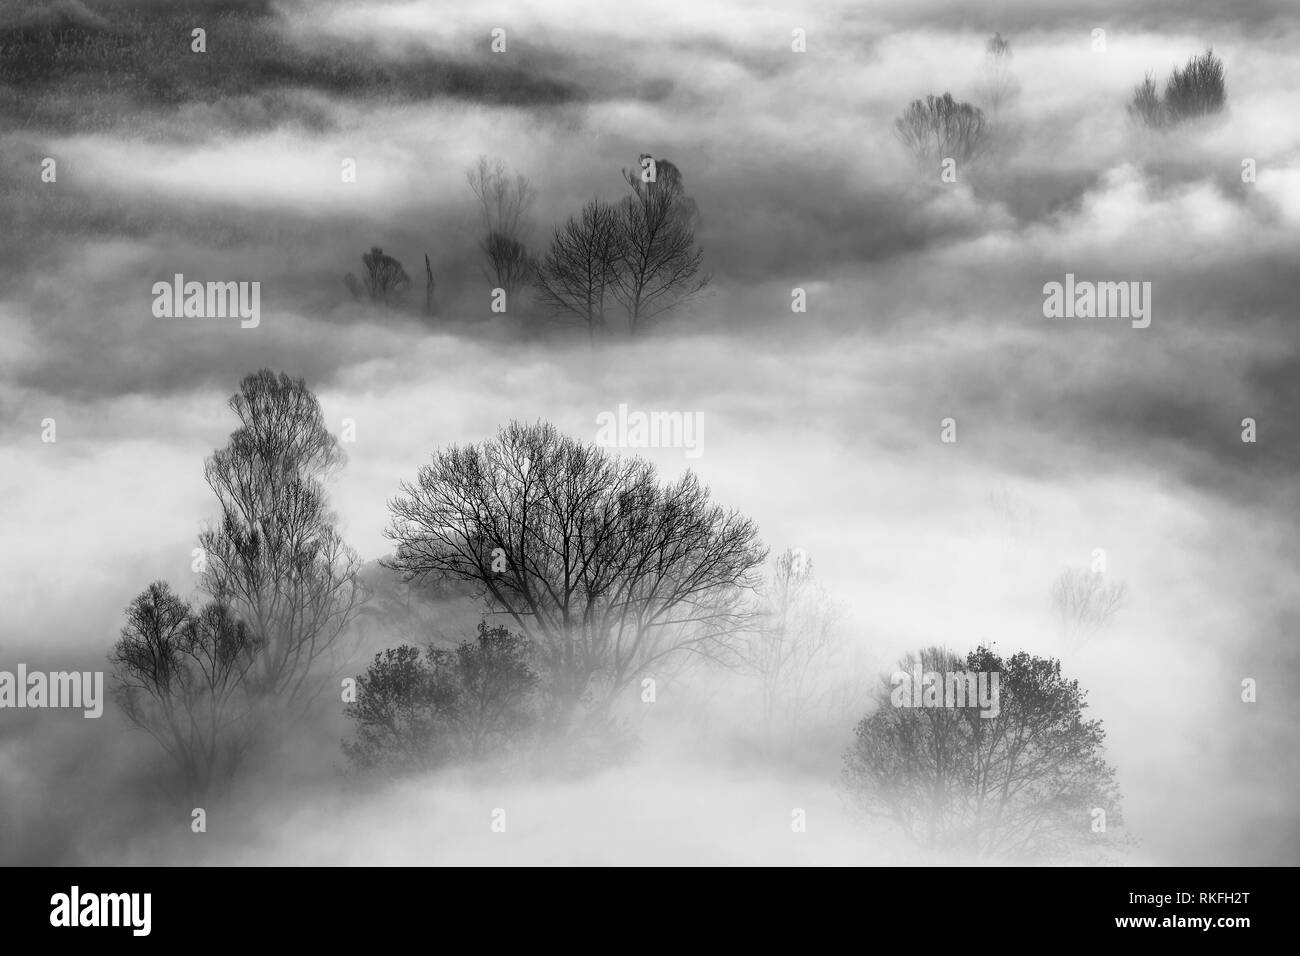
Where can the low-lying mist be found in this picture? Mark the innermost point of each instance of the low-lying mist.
(924, 302)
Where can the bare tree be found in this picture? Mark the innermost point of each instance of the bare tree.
(1085, 602)
(795, 644)
(494, 681)
(659, 261)
(512, 264)
(179, 676)
(1000, 83)
(1146, 107)
(1021, 784)
(653, 176)
(1194, 91)
(504, 203)
(1017, 518)
(611, 573)
(397, 715)
(939, 128)
(283, 586)
(576, 279)
(385, 281)
(274, 558)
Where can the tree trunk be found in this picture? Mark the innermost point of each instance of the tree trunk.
(428, 287)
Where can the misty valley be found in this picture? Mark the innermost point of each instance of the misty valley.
(721, 435)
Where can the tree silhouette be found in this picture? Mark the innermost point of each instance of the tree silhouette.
(1000, 84)
(274, 557)
(1022, 784)
(283, 587)
(178, 676)
(659, 267)
(207, 684)
(420, 711)
(577, 276)
(610, 572)
(1146, 107)
(430, 303)
(795, 646)
(504, 202)
(1195, 91)
(939, 128)
(385, 282)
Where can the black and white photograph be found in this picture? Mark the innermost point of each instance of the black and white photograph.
(697, 434)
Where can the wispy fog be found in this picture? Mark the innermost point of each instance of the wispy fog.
(924, 302)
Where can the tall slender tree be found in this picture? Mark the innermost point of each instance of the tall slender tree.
(209, 685)
(274, 557)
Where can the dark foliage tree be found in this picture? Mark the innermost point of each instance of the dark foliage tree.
(511, 265)
(610, 572)
(384, 282)
(420, 711)
(430, 302)
(1197, 90)
(1021, 784)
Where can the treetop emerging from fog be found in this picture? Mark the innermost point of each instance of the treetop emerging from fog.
(608, 569)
